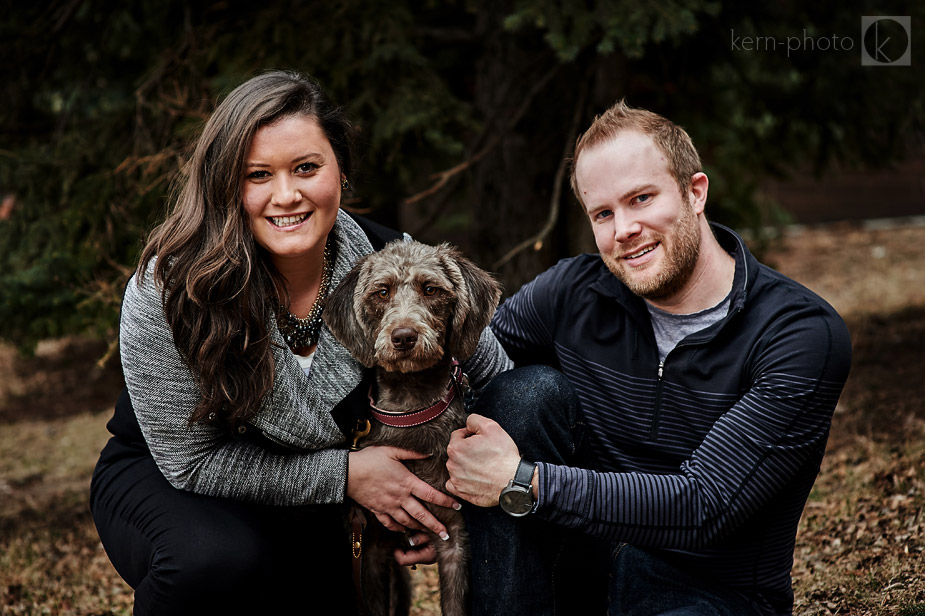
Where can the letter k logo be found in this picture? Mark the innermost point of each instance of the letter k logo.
(886, 41)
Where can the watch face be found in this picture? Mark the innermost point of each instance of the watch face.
(516, 502)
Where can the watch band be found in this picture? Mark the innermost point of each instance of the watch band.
(524, 474)
(516, 498)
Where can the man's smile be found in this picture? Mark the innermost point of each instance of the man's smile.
(639, 253)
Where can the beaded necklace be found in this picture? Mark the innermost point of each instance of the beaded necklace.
(300, 333)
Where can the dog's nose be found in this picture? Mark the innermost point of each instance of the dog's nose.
(404, 338)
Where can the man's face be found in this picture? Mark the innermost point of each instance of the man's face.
(647, 231)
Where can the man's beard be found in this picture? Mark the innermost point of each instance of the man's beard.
(680, 258)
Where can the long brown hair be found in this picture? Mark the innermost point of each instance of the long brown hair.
(220, 291)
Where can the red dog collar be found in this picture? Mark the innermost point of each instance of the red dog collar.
(420, 416)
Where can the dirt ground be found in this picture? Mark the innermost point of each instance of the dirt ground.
(860, 542)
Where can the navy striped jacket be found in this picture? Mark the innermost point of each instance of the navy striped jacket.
(708, 459)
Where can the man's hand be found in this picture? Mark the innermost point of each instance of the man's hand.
(420, 552)
(482, 460)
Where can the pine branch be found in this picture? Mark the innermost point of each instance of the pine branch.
(537, 240)
(443, 177)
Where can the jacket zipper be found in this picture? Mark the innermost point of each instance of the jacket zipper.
(657, 411)
(659, 382)
(656, 416)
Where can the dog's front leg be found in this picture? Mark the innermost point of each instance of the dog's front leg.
(453, 564)
(386, 585)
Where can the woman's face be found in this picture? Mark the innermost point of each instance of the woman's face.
(292, 189)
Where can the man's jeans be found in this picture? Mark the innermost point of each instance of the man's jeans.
(530, 566)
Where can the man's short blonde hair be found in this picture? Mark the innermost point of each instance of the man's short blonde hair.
(672, 140)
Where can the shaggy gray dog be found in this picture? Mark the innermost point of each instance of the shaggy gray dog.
(410, 310)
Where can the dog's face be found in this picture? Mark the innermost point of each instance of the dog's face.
(405, 307)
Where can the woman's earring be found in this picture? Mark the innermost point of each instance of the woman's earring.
(344, 185)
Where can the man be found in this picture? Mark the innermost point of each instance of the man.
(706, 383)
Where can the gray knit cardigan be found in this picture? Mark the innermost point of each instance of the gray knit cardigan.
(204, 459)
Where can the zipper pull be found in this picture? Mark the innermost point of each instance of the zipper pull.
(661, 369)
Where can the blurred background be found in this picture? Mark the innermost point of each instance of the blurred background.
(465, 109)
(809, 117)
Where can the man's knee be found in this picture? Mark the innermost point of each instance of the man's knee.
(538, 408)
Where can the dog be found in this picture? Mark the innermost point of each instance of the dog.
(410, 311)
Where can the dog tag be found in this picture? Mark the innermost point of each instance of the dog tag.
(359, 432)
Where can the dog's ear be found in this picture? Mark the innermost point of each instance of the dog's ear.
(341, 316)
(477, 295)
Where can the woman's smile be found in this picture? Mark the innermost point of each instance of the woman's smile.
(287, 222)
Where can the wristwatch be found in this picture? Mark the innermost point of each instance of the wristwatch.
(517, 497)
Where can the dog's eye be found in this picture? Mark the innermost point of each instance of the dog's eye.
(383, 293)
(430, 290)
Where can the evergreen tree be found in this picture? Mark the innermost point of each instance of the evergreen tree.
(466, 111)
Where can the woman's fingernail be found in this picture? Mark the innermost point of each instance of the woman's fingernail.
(444, 536)
(457, 506)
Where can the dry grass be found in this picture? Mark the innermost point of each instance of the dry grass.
(862, 534)
(51, 560)
(860, 542)
(859, 548)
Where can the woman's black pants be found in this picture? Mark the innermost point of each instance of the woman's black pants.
(185, 553)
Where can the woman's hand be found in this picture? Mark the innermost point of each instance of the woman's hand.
(377, 480)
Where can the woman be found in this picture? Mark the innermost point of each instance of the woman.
(223, 490)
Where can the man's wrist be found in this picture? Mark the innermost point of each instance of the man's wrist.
(519, 497)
